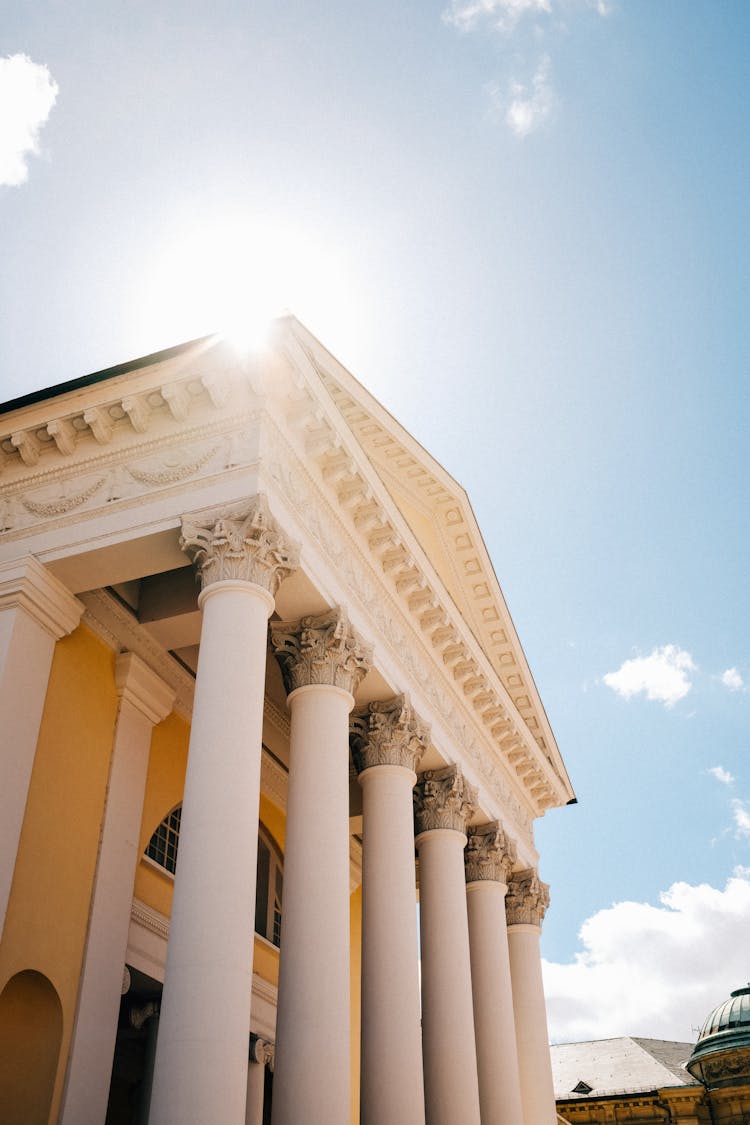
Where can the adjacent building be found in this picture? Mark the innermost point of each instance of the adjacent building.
(260, 692)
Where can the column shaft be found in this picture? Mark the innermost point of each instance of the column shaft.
(535, 1068)
(144, 700)
(201, 1059)
(450, 1061)
(497, 1057)
(35, 611)
(256, 1077)
(392, 1077)
(312, 1076)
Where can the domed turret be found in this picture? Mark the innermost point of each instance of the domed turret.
(721, 1057)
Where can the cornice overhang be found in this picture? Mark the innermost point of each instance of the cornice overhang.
(482, 655)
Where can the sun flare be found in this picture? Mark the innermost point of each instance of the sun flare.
(235, 277)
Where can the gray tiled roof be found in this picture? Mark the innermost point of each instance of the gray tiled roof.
(616, 1066)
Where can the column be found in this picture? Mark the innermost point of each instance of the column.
(323, 661)
(444, 803)
(388, 741)
(147, 1018)
(526, 902)
(144, 699)
(35, 611)
(489, 858)
(201, 1056)
(261, 1055)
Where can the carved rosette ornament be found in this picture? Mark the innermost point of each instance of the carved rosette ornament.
(489, 854)
(527, 899)
(242, 542)
(443, 799)
(387, 734)
(324, 649)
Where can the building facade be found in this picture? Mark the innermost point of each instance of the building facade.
(650, 1081)
(260, 693)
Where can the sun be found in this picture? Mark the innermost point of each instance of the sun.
(235, 276)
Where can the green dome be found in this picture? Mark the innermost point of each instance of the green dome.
(721, 1057)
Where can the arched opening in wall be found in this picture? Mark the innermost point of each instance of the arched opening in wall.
(30, 1036)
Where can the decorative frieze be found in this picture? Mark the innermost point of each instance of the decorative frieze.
(490, 853)
(388, 733)
(321, 649)
(527, 899)
(242, 543)
(444, 799)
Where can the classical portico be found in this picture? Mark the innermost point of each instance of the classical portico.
(272, 616)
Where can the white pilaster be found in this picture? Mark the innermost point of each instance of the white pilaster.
(144, 699)
(35, 611)
(489, 858)
(388, 741)
(444, 804)
(323, 661)
(526, 903)
(201, 1055)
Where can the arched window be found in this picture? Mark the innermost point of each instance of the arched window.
(162, 849)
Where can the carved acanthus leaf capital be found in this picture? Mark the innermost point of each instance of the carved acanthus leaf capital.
(388, 733)
(444, 799)
(490, 853)
(324, 649)
(527, 899)
(243, 542)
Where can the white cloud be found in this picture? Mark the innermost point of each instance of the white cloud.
(741, 817)
(27, 95)
(663, 676)
(524, 108)
(722, 775)
(500, 14)
(655, 971)
(732, 679)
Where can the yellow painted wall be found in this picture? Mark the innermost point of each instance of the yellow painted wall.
(49, 903)
(165, 783)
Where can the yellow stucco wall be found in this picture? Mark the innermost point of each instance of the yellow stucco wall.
(165, 783)
(49, 903)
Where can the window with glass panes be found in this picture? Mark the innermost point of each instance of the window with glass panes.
(162, 849)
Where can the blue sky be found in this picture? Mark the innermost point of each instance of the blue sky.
(523, 224)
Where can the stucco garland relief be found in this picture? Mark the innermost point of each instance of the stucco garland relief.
(122, 481)
(61, 501)
(345, 554)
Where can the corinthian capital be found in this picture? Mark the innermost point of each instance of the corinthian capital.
(321, 650)
(444, 799)
(489, 854)
(387, 734)
(527, 899)
(242, 542)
